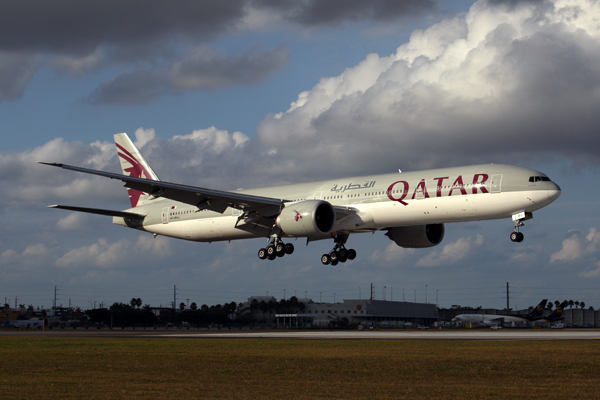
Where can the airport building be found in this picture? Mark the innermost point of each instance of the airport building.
(349, 312)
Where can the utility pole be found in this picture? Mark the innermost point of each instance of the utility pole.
(371, 292)
(55, 292)
(174, 297)
(507, 298)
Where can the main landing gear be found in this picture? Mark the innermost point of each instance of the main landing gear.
(517, 236)
(275, 249)
(339, 252)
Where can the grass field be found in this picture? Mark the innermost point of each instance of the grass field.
(137, 368)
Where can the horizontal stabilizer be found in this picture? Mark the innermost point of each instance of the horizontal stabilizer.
(110, 213)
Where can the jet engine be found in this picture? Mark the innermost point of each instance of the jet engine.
(419, 236)
(307, 218)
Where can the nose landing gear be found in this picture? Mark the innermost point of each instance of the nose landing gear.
(517, 236)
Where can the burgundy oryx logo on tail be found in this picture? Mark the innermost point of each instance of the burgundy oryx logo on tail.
(136, 170)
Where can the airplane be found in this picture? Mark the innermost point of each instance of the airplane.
(556, 315)
(490, 319)
(412, 207)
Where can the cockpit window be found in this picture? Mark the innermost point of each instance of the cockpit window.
(539, 179)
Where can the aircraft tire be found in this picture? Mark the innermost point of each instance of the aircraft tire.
(325, 259)
(262, 254)
(343, 258)
(334, 262)
(351, 254)
(343, 254)
(520, 237)
(514, 236)
(289, 248)
(272, 256)
(280, 250)
(271, 251)
(334, 256)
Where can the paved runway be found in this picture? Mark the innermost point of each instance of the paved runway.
(533, 334)
(453, 334)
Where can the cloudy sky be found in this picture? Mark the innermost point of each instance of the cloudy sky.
(253, 93)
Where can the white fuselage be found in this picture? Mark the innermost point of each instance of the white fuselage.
(378, 202)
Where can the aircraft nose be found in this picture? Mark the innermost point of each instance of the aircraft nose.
(554, 192)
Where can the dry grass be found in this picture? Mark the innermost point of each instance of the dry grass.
(136, 368)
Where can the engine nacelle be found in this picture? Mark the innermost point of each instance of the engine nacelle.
(419, 236)
(307, 218)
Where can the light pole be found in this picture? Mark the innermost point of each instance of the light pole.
(284, 294)
(425, 294)
(320, 294)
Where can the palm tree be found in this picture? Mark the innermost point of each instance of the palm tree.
(549, 305)
(556, 303)
(571, 303)
(582, 305)
(577, 304)
(194, 306)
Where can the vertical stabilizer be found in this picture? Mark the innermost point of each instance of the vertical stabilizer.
(133, 164)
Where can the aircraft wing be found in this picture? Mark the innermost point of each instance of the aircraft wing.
(214, 200)
(99, 211)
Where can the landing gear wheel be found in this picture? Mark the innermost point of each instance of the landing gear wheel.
(343, 253)
(289, 248)
(334, 256)
(343, 258)
(272, 256)
(280, 249)
(262, 254)
(517, 237)
(351, 254)
(325, 259)
(271, 251)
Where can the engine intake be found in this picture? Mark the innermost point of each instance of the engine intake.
(419, 236)
(307, 218)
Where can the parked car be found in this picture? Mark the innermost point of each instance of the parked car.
(422, 327)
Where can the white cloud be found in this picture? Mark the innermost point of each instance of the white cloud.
(451, 253)
(36, 249)
(391, 254)
(72, 221)
(121, 253)
(591, 273)
(578, 246)
(143, 136)
(464, 90)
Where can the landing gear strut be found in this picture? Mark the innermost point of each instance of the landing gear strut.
(276, 248)
(339, 252)
(517, 236)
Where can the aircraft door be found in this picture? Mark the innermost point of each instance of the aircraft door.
(496, 184)
(317, 195)
(165, 215)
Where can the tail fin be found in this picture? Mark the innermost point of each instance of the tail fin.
(557, 313)
(538, 311)
(133, 164)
